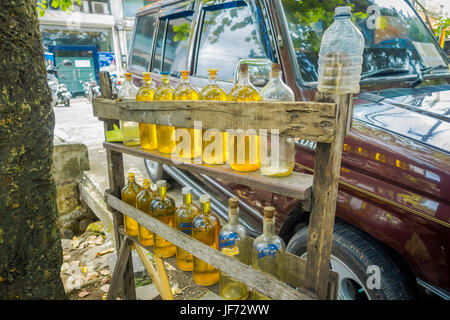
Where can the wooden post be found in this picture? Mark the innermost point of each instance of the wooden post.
(327, 164)
(116, 183)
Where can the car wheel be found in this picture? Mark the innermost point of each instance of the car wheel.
(155, 171)
(353, 256)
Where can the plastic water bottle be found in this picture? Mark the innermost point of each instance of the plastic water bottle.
(340, 55)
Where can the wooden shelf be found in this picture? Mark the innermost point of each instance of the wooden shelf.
(297, 185)
(315, 121)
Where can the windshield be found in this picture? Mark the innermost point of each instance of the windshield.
(395, 37)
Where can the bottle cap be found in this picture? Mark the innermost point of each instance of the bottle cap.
(131, 175)
(164, 73)
(343, 11)
(184, 74)
(276, 67)
(161, 183)
(146, 183)
(233, 202)
(127, 75)
(243, 67)
(213, 72)
(186, 190)
(205, 198)
(146, 75)
(269, 212)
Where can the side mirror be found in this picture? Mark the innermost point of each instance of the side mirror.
(258, 69)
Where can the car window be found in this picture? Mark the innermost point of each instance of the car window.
(229, 33)
(157, 58)
(142, 43)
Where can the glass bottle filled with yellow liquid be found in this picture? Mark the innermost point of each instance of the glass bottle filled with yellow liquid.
(185, 91)
(266, 251)
(214, 152)
(245, 153)
(166, 134)
(148, 133)
(205, 228)
(143, 200)
(130, 129)
(229, 238)
(163, 209)
(183, 222)
(129, 193)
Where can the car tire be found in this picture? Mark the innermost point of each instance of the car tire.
(351, 255)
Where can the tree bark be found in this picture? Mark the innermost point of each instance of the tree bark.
(30, 244)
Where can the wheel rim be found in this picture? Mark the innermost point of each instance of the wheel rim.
(350, 286)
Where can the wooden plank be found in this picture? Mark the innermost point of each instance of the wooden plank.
(327, 164)
(105, 84)
(313, 121)
(297, 185)
(159, 279)
(123, 257)
(254, 279)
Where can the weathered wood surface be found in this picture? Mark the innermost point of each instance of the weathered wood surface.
(254, 279)
(327, 165)
(297, 185)
(313, 121)
(124, 254)
(105, 84)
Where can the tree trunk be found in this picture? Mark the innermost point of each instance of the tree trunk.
(30, 243)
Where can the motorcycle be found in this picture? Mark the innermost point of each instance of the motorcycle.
(60, 94)
(91, 89)
(116, 83)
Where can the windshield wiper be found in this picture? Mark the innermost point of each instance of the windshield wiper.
(383, 71)
(424, 71)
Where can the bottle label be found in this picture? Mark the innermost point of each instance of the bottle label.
(227, 240)
(185, 227)
(230, 251)
(270, 250)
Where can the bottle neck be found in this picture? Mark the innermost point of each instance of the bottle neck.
(148, 83)
(187, 199)
(162, 191)
(275, 77)
(165, 81)
(212, 80)
(244, 79)
(206, 208)
(185, 80)
(233, 216)
(269, 227)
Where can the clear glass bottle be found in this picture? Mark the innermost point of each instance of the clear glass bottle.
(229, 237)
(245, 153)
(214, 92)
(163, 209)
(129, 193)
(130, 129)
(340, 55)
(143, 200)
(166, 134)
(205, 228)
(148, 133)
(185, 91)
(183, 222)
(266, 249)
(276, 152)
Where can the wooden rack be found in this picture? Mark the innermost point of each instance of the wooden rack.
(325, 121)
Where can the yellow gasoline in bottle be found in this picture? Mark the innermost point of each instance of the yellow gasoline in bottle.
(143, 200)
(214, 152)
(244, 147)
(183, 222)
(163, 209)
(229, 238)
(130, 129)
(205, 228)
(185, 91)
(129, 193)
(148, 133)
(166, 134)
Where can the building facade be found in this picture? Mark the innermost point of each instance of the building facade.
(94, 35)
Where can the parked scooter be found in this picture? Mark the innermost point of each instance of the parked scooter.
(91, 89)
(60, 94)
